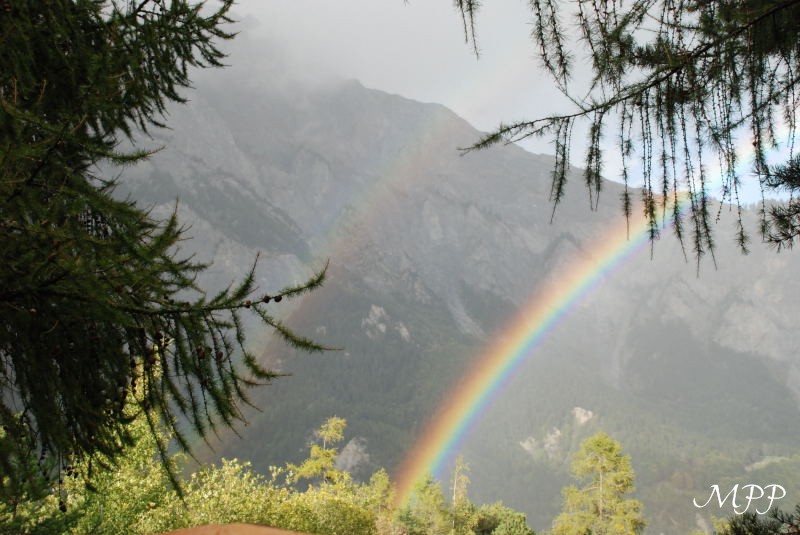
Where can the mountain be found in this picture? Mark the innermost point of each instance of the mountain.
(432, 255)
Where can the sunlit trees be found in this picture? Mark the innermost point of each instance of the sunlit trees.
(118, 498)
(426, 511)
(321, 463)
(462, 509)
(134, 496)
(94, 296)
(599, 506)
(333, 502)
(678, 85)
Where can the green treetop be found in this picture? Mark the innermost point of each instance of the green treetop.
(599, 507)
(462, 509)
(321, 462)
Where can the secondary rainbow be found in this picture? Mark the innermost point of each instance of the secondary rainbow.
(443, 436)
(556, 298)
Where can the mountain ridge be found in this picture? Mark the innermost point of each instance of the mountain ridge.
(432, 255)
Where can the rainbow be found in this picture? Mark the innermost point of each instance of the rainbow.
(445, 433)
(558, 296)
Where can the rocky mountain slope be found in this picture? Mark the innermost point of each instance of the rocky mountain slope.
(432, 254)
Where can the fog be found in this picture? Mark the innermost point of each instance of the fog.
(418, 50)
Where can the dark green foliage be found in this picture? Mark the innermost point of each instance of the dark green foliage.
(784, 219)
(497, 519)
(683, 82)
(95, 297)
(752, 524)
(777, 522)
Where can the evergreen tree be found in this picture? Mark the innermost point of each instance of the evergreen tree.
(776, 522)
(321, 462)
(784, 219)
(677, 83)
(94, 296)
(599, 507)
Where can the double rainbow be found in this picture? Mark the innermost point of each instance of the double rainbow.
(464, 406)
(443, 436)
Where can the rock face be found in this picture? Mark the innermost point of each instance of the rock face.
(432, 253)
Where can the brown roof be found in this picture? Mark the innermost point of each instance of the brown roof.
(232, 529)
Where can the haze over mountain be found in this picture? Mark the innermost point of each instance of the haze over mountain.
(431, 255)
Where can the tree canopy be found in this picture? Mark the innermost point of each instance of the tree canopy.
(599, 507)
(95, 297)
(679, 84)
(133, 496)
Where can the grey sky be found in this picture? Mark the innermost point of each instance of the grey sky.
(417, 50)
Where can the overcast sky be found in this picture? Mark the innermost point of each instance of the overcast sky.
(417, 50)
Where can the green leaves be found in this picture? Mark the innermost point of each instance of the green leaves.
(131, 494)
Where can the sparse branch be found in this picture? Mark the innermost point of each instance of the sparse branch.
(696, 75)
